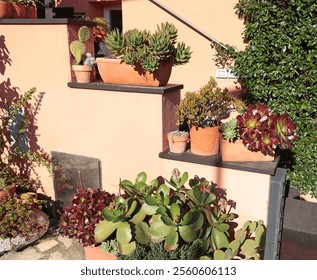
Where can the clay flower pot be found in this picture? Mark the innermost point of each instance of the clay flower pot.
(19, 10)
(204, 141)
(6, 9)
(95, 253)
(236, 151)
(177, 141)
(114, 71)
(31, 11)
(82, 73)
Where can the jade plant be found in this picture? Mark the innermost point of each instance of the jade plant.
(140, 47)
(78, 48)
(205, 107)
(169, 213)
(261, 130)
(78, 220)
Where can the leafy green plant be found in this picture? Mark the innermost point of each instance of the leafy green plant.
(168, 213)
(20, 155)
(278, 68)
(206, 107)
(140, 47)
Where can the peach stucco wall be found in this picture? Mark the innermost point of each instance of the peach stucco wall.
(125, 130)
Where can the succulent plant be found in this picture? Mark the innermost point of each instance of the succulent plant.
(230, 130)
(140, 47)
(78, 47)
(261, 130)
(78, 220)
(174, 215)
(206, 107)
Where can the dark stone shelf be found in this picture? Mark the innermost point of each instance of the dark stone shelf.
(41, 21)
(126, 88)
(257, 167)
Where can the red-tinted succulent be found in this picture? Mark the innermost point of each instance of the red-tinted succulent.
(78, 220)
(261, 130)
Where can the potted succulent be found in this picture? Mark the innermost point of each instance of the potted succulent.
(78, 220)
(255, 134)
(178, 141)
(203, 112)
(172, 215)
(83, 61)
(142, 58)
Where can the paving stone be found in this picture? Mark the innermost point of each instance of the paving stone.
(67, 241)
(56, 256)
(27, 254)
(46, 245)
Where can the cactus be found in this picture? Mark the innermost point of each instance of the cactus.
(78, 47)
(182, 54)
(116, 42)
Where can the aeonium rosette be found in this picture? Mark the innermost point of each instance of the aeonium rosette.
(261, 130)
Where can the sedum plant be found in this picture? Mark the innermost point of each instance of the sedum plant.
(140, 47)
(205, 107)
(78, 220)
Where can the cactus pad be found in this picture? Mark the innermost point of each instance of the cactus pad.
(83, 34)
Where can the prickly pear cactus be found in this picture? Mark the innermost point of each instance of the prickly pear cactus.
(78, 49)
(83, 34)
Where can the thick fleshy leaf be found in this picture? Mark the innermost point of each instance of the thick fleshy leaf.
(175, 211)
(260, 236)
(124, 233)
(219, 255)
(138, 217)
(187, 219)
(161, 210)
(132, 205)
(142, 233)
(222, 227)
(197, 220)
(150, 200)
(198, 194)
(158, 229)
(234, 246)
(104, 229)
(184, 179)
(167, 220)
(126, 183)
(126, 248)
(148, 209)
(187, 233)
(209, 198)
(141, 177)
(219, 238)
(171, 240)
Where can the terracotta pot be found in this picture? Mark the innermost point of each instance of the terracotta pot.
(95, 253)
(31, 11)
(82, 73)
(5, 9)
(19, 10)
(204, 141)
(177, 144)
(114, 71)
(236, 151)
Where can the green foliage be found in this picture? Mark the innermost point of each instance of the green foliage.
(110, 246)
(19, 166)
(230, 130)
(156, 251)
(278, 67)
(16, 217)
(206, 107)
(168, 213)
(149, 50)
(78, 47)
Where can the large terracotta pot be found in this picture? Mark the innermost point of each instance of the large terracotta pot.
(114, 71)
(31, 11)
(177, 143)
(19, 10)
(204, 141)
(236, 151)
(82, 73)
(95, 253)
(6, 10)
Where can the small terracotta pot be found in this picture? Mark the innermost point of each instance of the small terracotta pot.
(204, 141)
(95, 253)
(236, 151)
(82, 73)
(114, 71)
(177, 144)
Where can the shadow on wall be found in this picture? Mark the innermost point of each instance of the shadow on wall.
(4, 55)
(20, 152)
